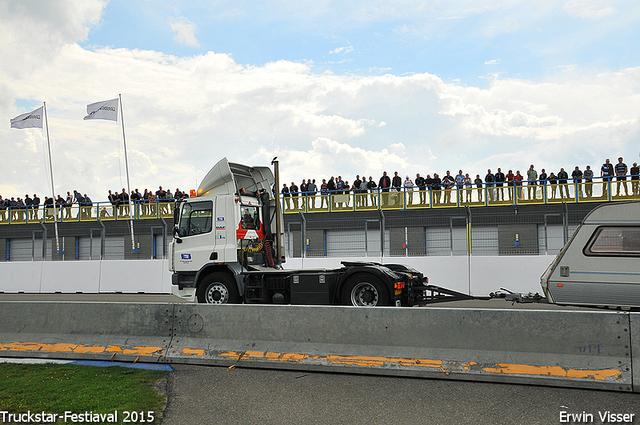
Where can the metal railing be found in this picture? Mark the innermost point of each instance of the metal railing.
(98, 211)
(477, 195)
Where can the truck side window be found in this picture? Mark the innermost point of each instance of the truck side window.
(250, 218)
(195, 218)
(615, 241)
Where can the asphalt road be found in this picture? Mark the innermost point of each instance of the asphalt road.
(216, 395)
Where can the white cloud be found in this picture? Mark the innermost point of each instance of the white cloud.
(342, 50)
(183, 114)
(185, 31)
(590, 9)
(493, 62)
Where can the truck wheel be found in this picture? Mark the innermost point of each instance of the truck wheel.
(364, 290)
(218, 288)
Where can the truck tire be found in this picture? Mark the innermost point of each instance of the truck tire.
(364, 290)
(218, 288)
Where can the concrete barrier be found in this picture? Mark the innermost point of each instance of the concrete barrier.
(558, 348)
(561, 348)
(102, 331)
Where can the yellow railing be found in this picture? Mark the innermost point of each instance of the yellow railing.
(97, 212)
(484, 196)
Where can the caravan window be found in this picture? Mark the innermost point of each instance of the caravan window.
(195, 218)
(615, 241)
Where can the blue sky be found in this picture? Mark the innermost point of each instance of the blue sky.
(329, 87)
(456, 41)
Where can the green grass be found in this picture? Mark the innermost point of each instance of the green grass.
(56, 388)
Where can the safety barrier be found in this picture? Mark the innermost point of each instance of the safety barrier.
(591, 349)
(480, 195)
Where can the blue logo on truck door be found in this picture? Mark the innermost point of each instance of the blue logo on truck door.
(185, 256)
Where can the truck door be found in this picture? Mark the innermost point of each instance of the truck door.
(195, 239)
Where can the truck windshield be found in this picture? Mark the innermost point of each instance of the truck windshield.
(195, 218)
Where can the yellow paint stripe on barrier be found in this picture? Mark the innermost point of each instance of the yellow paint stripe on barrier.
(191, 351)
(519, 369)
(78, 348)
(445, 367)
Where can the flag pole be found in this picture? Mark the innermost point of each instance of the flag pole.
(126, 165)
(53, 190)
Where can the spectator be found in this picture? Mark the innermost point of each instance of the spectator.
(67, 205)
(621, 173)
(635, 179)
(294, 191)
(447, 183)
(357, 189)
(384, 184)
(478, 182)
(499, 178)
(562, 181)
(588, 181)
(606, 172)
(532, 176)
(313, 189)
(324, 193)
(436, 188)
(371, 186)
(510, 179)
(489, 179)
(421, 183)
(340, 185)
(35, 205)
(86, 206)
(408, 188)
(542, 178)
(286, 194)
(28, 202)
(517, 181)
(396, 183)
(553, 183)
(576, 175)
(468, 185)
(304, 188)
(124, 203)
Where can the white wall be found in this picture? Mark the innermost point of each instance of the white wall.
(127, 276)
(475, 275)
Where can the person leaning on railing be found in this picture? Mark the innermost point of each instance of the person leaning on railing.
(635, 179)
(542, 178)
(35, 205)
(588, 181)
(606, 172)
(478, 182)
(563, 177)
(371, 186)
(553, 183)
(3, 209)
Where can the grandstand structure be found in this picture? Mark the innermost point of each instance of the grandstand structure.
(405, 223)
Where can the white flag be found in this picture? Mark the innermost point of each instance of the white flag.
(28, 120)
(105, 110)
